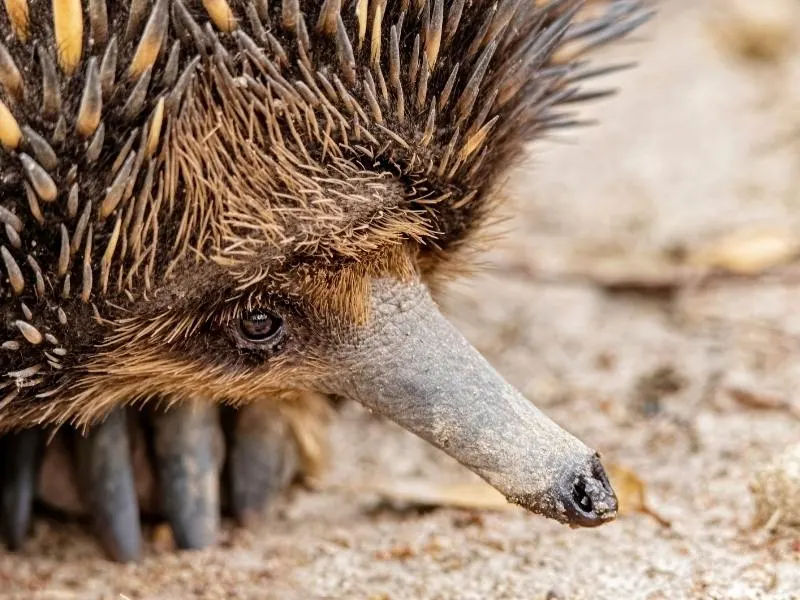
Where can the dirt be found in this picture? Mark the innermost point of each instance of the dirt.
(690, 387)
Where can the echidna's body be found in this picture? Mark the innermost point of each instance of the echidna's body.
(171, 169)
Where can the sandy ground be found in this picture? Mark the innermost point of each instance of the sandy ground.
(702, 142)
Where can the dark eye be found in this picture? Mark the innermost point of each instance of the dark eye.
(260, 326)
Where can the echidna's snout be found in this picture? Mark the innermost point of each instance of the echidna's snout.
(410, 365)
(580, 496)
(587, 495)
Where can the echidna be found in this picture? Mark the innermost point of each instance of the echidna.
(244, 203)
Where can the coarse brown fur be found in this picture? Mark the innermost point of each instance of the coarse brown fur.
(168, 165)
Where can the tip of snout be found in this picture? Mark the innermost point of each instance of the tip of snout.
(587, 496)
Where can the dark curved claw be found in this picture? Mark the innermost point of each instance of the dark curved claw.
(20, 454)
(107, 480)
(188, 457)
(110, 473)
(263, 458)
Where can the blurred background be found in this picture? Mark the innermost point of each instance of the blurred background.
(646, 294)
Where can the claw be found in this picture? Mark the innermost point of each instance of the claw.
(188, 455)
(20, 463)
(104, 463)
(262, 459)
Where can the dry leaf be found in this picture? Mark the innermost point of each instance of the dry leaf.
(756, 29)
(629, 487)
(649, 273)
(631, 493)
(749, 252)
(755, 399)
(748, 393)
(641, 271)
(425, 493)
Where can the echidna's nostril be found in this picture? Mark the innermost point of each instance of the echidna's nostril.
(581, 498)
(587, 496)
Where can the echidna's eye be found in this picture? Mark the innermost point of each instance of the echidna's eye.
(260, 326)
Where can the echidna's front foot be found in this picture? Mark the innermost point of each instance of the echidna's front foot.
(186, 464)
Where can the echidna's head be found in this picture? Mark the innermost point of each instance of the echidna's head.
(271, 195)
